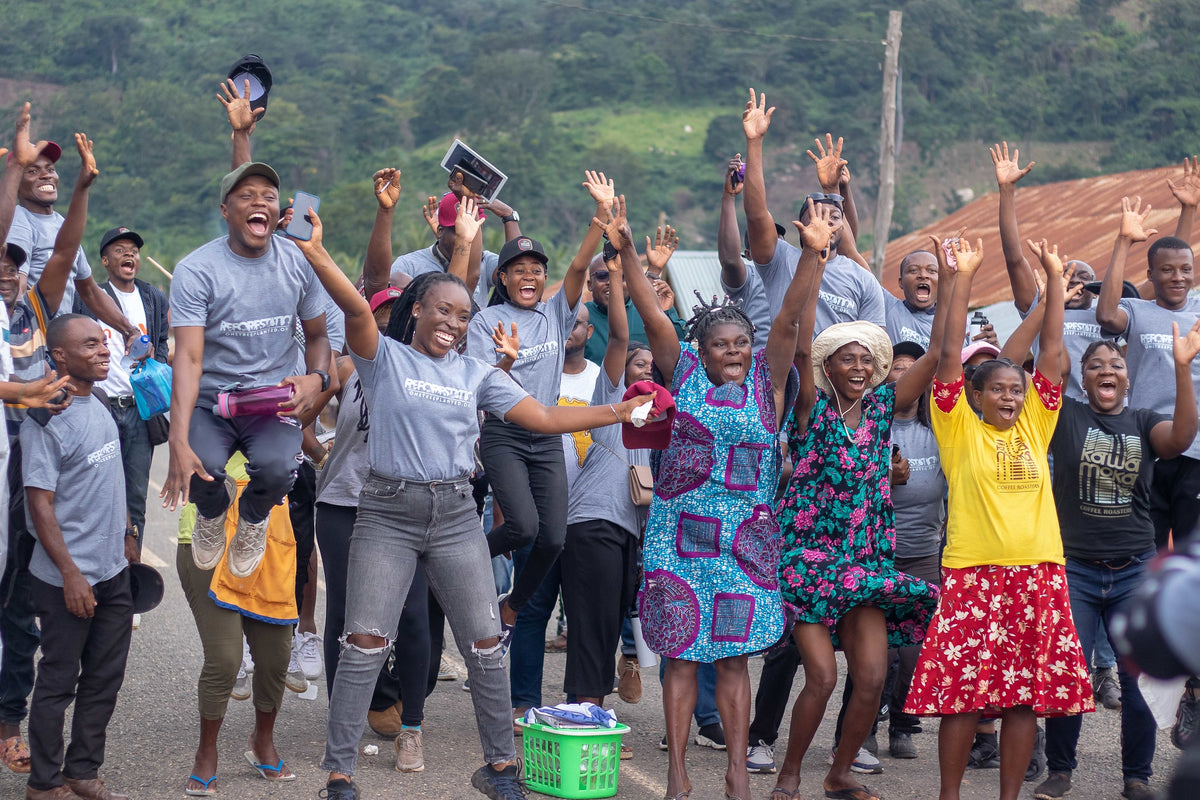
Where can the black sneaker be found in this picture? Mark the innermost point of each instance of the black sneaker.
(1137, 790)
(1106, 688)
(1054, 787)
(1187, 719)
(339, 790)
(711, 736)
(904, 723)
(900, 745)
(1037, 762)
(505, 784)
(985, 753)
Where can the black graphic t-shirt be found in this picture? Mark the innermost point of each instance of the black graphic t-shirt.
(1103, 464)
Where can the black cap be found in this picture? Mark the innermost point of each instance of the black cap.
(17, 254)
(1127, 289)
(906, 348)
(120, 232)
(146, 585)
(779, 229)
(253, 68)
(521, 246)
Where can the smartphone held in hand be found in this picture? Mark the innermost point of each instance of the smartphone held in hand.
(301, 226)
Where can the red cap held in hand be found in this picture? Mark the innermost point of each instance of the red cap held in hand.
(655, 434)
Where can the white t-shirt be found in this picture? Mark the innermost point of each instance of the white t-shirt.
(119, 364)
(576, 390)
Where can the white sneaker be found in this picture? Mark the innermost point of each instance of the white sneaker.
(137, 621)
(307, 647)
(241, 687)
(208, 535)
(410, 754)
(760, 758)
(864, 763)
(247, 546)
(295, 679)
(247, 659)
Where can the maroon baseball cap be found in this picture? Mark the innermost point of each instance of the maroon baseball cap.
(655, 434)
(52, 151)
(448, 210)
(386, 296)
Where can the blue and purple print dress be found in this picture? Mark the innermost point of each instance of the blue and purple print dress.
(712, 545)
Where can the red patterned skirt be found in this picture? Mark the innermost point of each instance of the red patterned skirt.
(1001, 637)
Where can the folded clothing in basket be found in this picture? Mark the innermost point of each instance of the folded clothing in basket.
(572, 715)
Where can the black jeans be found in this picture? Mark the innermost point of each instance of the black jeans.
(302, 501)
(136, 454)
(529, 482)
(1175, 499)
(82, 660)
(774, 688)
(402, 676)
(18, 626)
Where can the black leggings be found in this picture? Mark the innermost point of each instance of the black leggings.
(529, 482)
(403, 674)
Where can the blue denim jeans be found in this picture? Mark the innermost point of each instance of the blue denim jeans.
(1098, 592)
(528, 649)
(399, 524)
(706, 692)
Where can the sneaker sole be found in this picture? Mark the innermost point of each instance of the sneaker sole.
(417, 768)
(867, 770)
(704, 741)
(292, 687)
(761, 770)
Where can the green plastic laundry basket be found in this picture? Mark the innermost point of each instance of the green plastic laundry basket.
(572, 762)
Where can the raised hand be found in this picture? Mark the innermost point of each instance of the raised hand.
(313, 244)
(507, 345)
(87, 167)
(664, 292)
(1133, 220)
(467, 223)
(237, 106)
(844, 177)
(1072, 291)
(23, 152)
(1186, 347)
(617, 227)
(966, 258)
(756, 119)
(942, 247)
(1007, 170)
(430, 212)
(387, 187)
(829, 163)
(820, 228)
(665, 243)
(1187, 188)
(1048, 255)
(733, 183)
(600, 188)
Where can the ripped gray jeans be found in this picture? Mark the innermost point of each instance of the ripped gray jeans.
(402, 524)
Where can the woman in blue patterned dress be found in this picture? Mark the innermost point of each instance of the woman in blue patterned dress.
(711, 592)
(837, 573)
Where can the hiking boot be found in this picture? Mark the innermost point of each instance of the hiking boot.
(1187, 719)
(629, 684)
(57, 793)
(1037, 761)
(900, 745)
(386, 723)
(1054, 787)
(985, 753)
(247, 547)
(410, 755)
(711, 736)
(208, 535)
(760, 758)
(1137, 790)
(505, 784)
(1106, 688)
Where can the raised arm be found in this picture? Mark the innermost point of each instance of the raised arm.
(849, 209)
(916, 379)
(242, 118)
(23, 155)
(1020, 274)
(809, 287)
(59, 266)
(533, 416)
(601, 190)
(464, 261)
(729, 238)
(377, 266)
(966, 262)
(618, 316)
(1109, 313)
(1050, 342)
(664, 340)
(831, 168)
(756, 119)
(1172, 437)
(798, 300)
(1187, 192)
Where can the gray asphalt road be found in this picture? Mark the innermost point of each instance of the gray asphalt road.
(153, 733)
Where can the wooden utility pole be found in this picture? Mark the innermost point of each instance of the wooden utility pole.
(887, 145)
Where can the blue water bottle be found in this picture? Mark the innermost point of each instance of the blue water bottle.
(140, 347)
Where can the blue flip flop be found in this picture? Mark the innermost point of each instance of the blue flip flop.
(206, 791)
(263, 769)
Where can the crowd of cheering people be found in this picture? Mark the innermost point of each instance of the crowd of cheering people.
(834, 467)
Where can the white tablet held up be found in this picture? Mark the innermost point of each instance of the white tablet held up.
(479, 175)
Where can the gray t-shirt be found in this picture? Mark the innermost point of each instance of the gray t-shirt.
(919, 504)
(752, 296)
(248, 309)
(77, 455)
(542, 331)
(1080, 329)
(35, 234)
(423, 409)
(341, 479)
(906, 325)
(848, 292)
(335, 329)
(429, 259)
(602, 489)
(1150, 359)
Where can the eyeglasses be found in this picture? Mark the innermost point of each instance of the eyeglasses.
(601, 275)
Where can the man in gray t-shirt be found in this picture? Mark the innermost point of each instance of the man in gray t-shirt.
(75, 496)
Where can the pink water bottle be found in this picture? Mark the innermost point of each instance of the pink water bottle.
(252, 402)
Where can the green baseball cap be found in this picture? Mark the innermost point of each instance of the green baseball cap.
(244, 171)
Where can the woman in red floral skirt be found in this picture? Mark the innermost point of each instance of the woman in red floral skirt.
(1002, 642)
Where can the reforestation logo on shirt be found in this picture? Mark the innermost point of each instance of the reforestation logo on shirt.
(536, 353)
(258, 327)
(1157, 341)
(106, 453)
(839, 305)
(438, 393)
(1108, 470)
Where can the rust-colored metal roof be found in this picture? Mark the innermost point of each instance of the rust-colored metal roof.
(1080, 216)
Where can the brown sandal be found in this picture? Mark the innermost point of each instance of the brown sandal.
(14, 754)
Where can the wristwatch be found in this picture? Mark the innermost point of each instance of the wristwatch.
(324, 378)
(131, 530)
(513, 217)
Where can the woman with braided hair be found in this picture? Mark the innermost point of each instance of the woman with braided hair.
(711, 592)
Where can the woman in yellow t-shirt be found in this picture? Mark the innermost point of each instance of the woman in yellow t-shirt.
(1002, 643)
